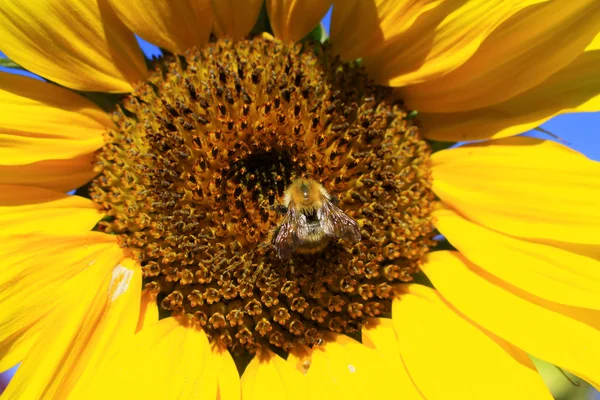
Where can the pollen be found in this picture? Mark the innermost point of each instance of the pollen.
(198, 163)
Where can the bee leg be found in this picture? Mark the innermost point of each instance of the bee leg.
(334, 200)
(280, 208)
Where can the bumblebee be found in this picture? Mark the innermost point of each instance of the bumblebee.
(311, 219)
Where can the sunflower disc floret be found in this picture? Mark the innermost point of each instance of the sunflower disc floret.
(201, 156)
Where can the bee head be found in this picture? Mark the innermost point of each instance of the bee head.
(305, 193)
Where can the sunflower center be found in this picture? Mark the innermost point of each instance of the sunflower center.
(194, 176)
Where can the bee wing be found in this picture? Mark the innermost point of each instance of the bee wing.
(286, 239)
(336, 223)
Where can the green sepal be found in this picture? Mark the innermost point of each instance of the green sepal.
(562, 384)
(8, 63)
(443, 245)
(437, 145)
(106, 101)
(262, 22)
(318, 34)
(422, 279)
(411, 115)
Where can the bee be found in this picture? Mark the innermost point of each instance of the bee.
(311, 219)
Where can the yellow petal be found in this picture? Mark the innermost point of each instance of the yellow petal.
(407, 42)
(574, 88)
(269, 376)
(40, 121)
(28, 209)
(117, 313)
(363, 28)
(545, 271)
(379, 334)
(78, 44)
(58, 175)
(174, 25)
(345, 368)
(523, 187)
(228, 378)
(291, 20)
(165, 361)
(148, 310)
(235, 18)
(585, 315)
(16, 347)
(33, 281)
(98, 314)
(545, 332)
(551, 33)
(449, 357)
(588, 250)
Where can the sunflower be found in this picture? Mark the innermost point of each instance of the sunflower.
(158, 279)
